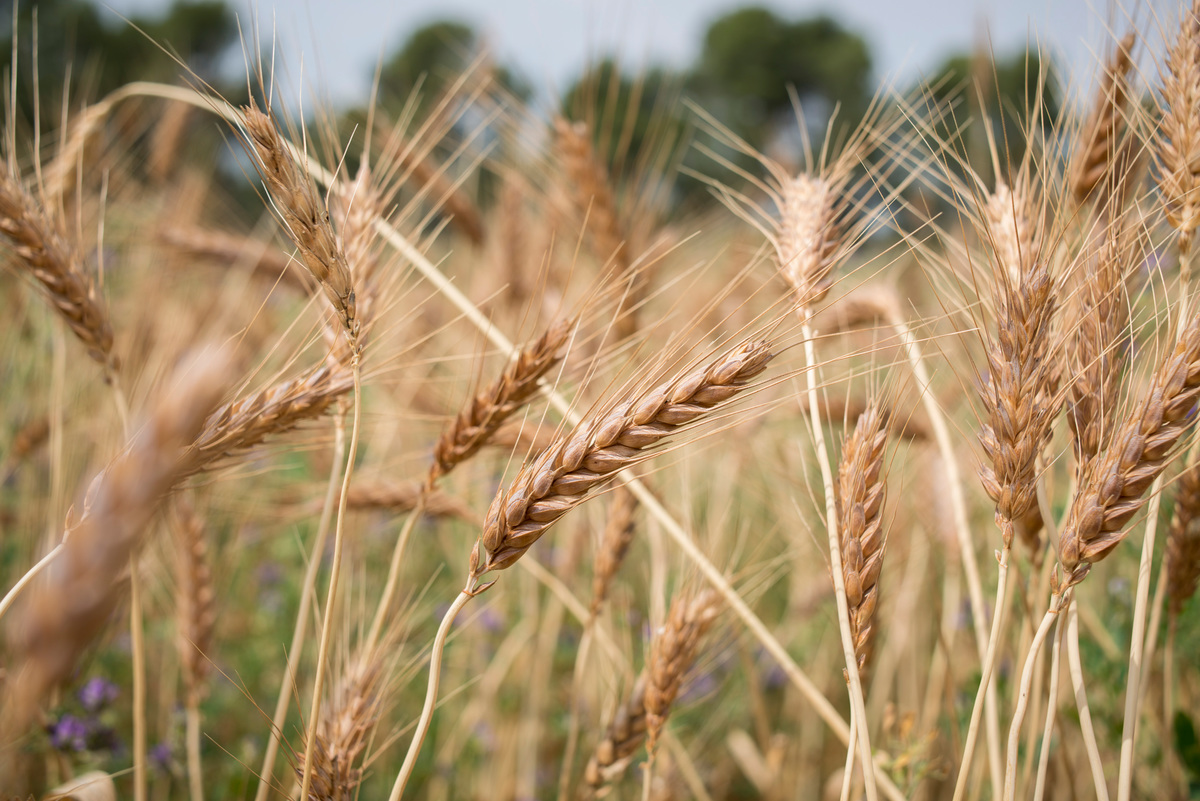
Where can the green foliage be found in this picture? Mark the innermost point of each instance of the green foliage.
(752, 60)
(98, 51)
(1187, 746)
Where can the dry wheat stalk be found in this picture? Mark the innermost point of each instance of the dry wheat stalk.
(1183, 541)
(672, 653)
(403, 496)
(342, 733)
(604, 443)
(1095, 351)
(1177, 144)
(485, 413)
(245, 423)
(81, 587)
(304, 216)
(860, 496)
(618, 536)
(1019, 395)
(36, 238)
(622, 739)
(1112, 489)
(196, 604)
(1097, 149)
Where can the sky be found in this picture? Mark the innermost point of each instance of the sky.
(333, 47)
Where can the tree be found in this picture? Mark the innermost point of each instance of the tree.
(751, 60)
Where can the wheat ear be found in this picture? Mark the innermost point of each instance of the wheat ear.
(602, 445)
(860, 496)
(304, 216)
(1177, 145)
(36, 238)
(71, 605)
(346, 723)
(672, 653)
(1097, 149)
(196, 617)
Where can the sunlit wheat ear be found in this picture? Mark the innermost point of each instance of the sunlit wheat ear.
(1177, 144)
(1183, 541)
(590, 191)
(35, 236)
(614, 545)
(483, 415)
(1020, 393)
(238, 426)
(605, 442)
(79, 590)
(403, 496)
(347, 723)
(1096, 356)
(1098, 156)
(196, 600)
(860, 496)
(808, 236)
(357, 207)
(304, 216)
(1112, 489)
(672, 652)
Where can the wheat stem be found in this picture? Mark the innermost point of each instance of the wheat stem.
(1081, 703)
(194, 767)
(393, 577)
(29, 576)
(1039, 789)
(568, 760)
(1057, 603)
(300, 630)
(138, 649)
(835, 558)
(431, 692)
(851, 752)
(335, 569)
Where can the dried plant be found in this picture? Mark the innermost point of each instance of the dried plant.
(1112, 489)
(614, 544)
(1097, 149)
(672, 653)
(1182, 559)
(860, 495)
(197, 612)
(622, 740)
(403, 496)
(1177, 145)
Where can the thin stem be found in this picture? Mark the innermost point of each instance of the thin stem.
(29, 576)
(1081, 703)
(335, 569)
(138, 647)
(393, 578)
(857, 705)
(300, 629)
(1039, 789)
(1156, 613)
(195, 769)
(431, 693)
(1014, 732)
(1136, 641)
(985, 678)
(851, 750)
(966, 544)
(568, 761)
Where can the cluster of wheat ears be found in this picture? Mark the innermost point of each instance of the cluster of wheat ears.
(1005, 334)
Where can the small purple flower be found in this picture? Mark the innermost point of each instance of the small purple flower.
(490, 620)
(161, 757)
(69, 734)
(97, 694)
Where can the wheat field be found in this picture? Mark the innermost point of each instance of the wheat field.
(452, 456)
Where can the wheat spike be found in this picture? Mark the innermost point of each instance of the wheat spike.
(1183, 541)
(1112, 489)
(196, 605)
(860, 496)
(1177, 145)
(808, 235)
(604, 443)
(36, 238)
(341, 734)
(672, 653)
(1097, 149)
(304, 216)
(402, 496)
(618, 536)
(622, 739)
(80, 588)
(486, 412)
(1019, 396)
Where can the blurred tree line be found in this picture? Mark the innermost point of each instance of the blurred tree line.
(753, 67)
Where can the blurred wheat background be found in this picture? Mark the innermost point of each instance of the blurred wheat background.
(737, 430)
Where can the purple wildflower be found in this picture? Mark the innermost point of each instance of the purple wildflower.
(97, 694)
(69, 734)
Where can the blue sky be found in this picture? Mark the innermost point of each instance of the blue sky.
(335, 45)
